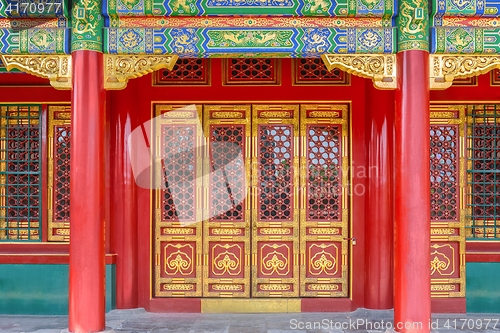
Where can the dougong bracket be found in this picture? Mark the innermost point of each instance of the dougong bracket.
(56, 68)
(120, 68)
(381, 68)
(443, 69)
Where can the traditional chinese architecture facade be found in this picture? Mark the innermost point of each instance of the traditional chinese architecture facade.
(249, 156)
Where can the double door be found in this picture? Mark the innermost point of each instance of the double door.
(251, 200)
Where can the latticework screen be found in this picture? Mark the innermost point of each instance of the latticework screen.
(20, 173)
(313, 71)
(251, 71)
(186, 71)
(483, 172)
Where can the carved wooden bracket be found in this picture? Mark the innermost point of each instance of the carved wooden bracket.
(118, 69)
(381, 68)
(56, 68)
(443, 69)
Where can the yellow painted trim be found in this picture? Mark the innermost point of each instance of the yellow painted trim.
(254, 305)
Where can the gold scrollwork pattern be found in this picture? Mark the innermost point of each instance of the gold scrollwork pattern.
(381, 68)
(179, 262)
(440, 262)
(56, 68)
(443, 69)
(120, 68)
(323, 262)
(275, 263)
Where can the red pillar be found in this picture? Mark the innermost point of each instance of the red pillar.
(412, 301)
(86, 250)
(379, 227)
(123, 204)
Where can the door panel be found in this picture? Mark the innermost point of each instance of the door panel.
(275, 245)
(324, 204)
(447, 171)
(226, 238)
(178, 206)
(59, 133)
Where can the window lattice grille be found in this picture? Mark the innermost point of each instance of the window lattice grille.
(251, 71)
(20, 173)
(186, 71)
(61, 176)
(313, 71)
(483, 171)
(444, 173)
(495, 77)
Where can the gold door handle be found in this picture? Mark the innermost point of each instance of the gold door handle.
(352, 239)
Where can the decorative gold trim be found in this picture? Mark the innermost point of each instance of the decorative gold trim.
(256, 305)
(381, 68)
(118, 69)
(56, 68)
(444, 68)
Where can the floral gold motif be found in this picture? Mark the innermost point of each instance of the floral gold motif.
(322, 287)
(440, 262)
(323, 262)
(381, 68)
(442, 115)
(275, 262)
(227, 287)
(324, 114)
(120, 68)
(56, 68)
(226, 262)
(178, 262)
(443, 287)
(274, 287)
(178, 286)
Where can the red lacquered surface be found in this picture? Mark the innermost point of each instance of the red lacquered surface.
(123, 210)
(87, 268)
(412, 302)
(379, 226)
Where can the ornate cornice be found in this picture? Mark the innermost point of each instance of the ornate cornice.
(118, 69)
(56, 68)
(443, 69)
(381, 68)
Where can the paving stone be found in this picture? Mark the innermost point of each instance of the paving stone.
(141, 321)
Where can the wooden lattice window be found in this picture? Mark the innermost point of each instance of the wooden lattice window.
(186, 71)
(483, 172)
(467, 81)
(324, 163)
(313, 71)
(495, 77)
(444, 173)
(251, 71)
(59, 134)
(20, 173)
